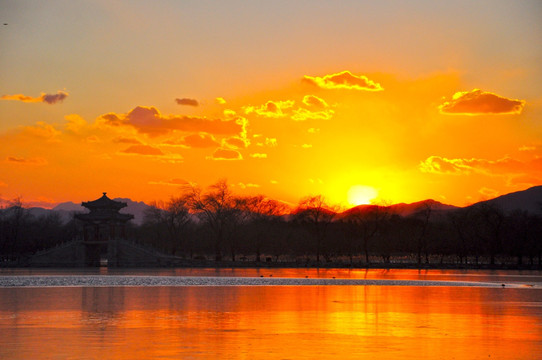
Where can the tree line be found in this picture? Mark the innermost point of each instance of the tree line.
(215, 224)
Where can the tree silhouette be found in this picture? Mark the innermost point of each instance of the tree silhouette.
(316, 215)
(364, 223)
(216, 208)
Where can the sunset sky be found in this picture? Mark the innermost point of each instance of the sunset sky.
(394, 101)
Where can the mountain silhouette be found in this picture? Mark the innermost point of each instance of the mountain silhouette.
(529, 200)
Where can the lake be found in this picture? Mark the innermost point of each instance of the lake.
(269, 314)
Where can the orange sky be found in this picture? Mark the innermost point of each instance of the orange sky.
(386, 102)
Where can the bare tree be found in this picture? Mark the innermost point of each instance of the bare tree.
(217, 208)
(178, 219)
(422, 216)
(364, 223)
(316, 214)
(490, 225)
(169, 219)
(262, 213)
(15, 218)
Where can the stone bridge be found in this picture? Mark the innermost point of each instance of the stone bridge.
(114, 253)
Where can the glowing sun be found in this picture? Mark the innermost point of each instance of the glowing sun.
(361, 194)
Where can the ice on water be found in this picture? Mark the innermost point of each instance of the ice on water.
(126, 280)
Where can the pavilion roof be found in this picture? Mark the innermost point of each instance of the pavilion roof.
(104, 203)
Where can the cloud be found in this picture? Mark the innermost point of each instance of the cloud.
(440, 165)
(3, 184)
(46, 98)
(302, 114)
(172, 182)
(201, 140)
(236, 142)
(43, 130)
(314, 101)
(306, 146)
(344, 80)
(126, 140)
(229, 113)
(92, 139)
(478, 102)
(26, 161)
(220, 101)
(258, 156)
(249, 185)
(186, 101)
(226, 154)
(54, 98)
(148, 120)
(143, 150)
(527, 148)
(488, 193)
(271, 142)
(271, 109)
(75, 123)
(504, 166)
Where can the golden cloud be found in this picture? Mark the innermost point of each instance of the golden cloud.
(504, 166)
(186, 101)
(143, 150)
(229, 113)
(344, 80)
(315, 101)
(201, 140)
(236, 142)
(92, 139)
(172, 182)
(258, 156)
(148, 120)
(302, 114)
(488, 193)
(75, 123)
(26, 161)
(43, 130)
(126, 140)
(478, 102)
(249, 185)
(271, 109)
(226, 154)
(46, 98)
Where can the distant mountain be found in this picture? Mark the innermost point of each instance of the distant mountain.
(69, 206)
(38, 212)
(410, 209)
(402, 209)
(529, 200)
(136, 208)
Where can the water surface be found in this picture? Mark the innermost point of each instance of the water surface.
(414, 320)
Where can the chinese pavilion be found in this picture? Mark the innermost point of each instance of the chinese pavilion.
(102, 226)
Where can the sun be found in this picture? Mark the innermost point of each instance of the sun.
(361, 194)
